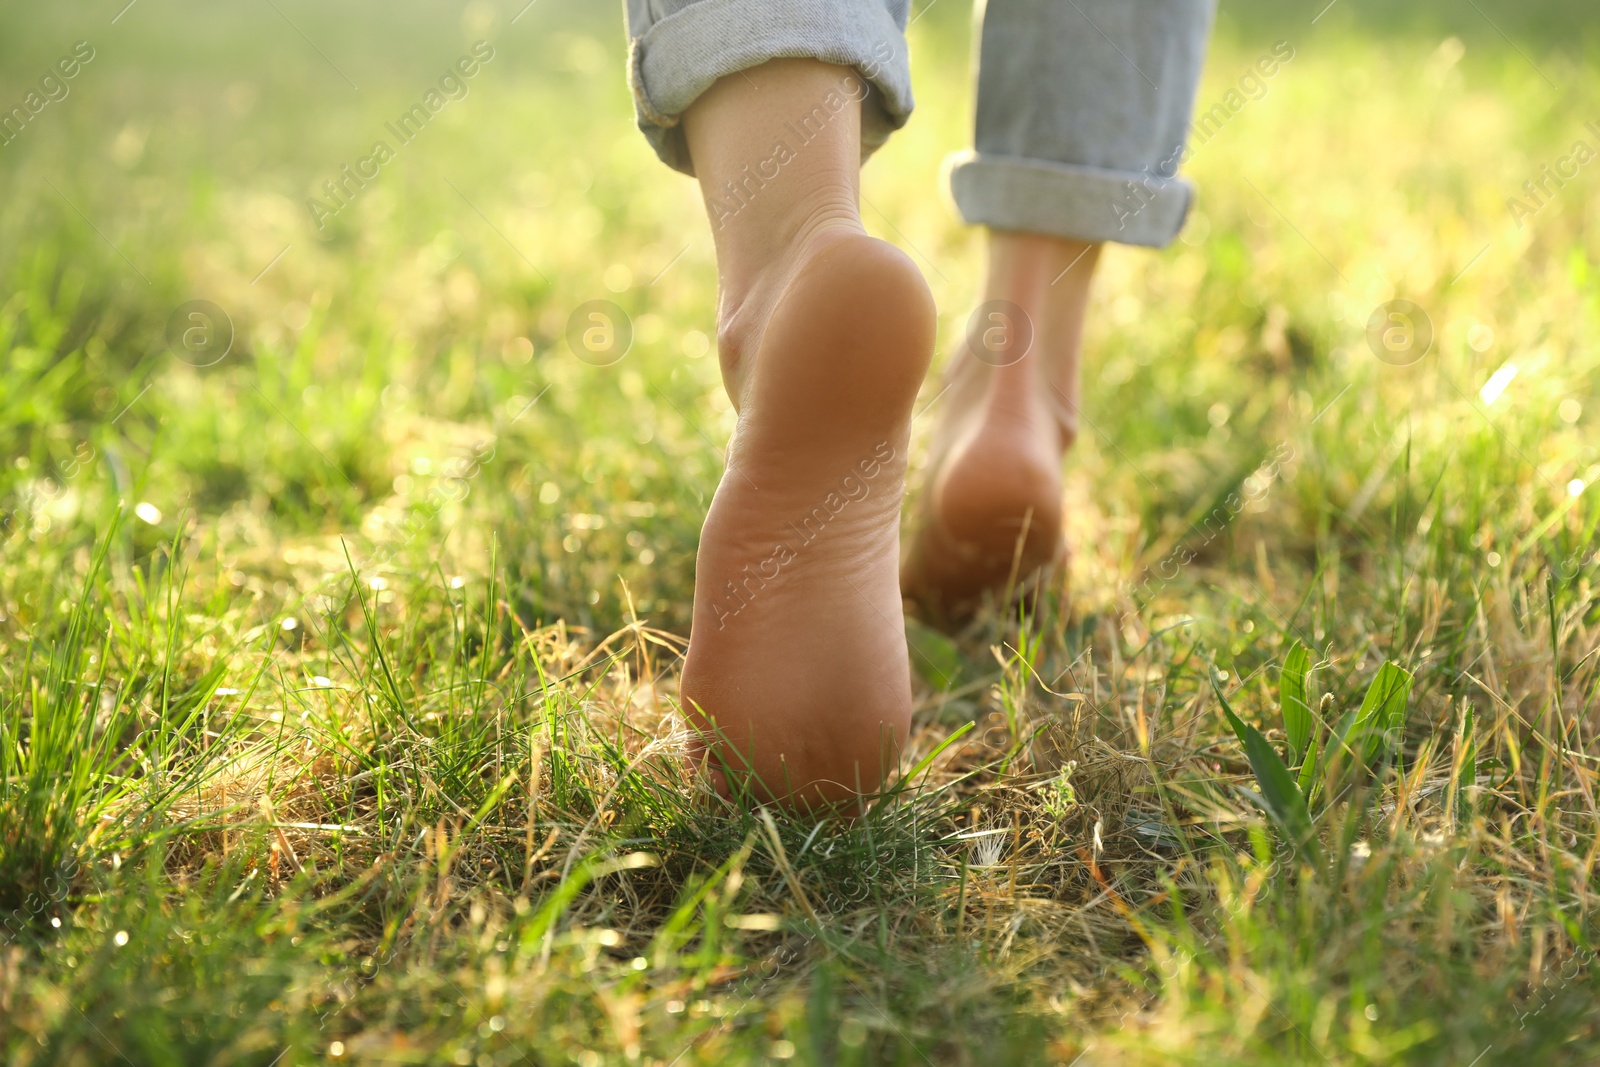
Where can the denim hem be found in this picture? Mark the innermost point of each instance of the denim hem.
(1068, 200)
(682, 55)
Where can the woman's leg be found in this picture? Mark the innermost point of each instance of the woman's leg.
(797, 656)
(1081, 119)
(797, 678)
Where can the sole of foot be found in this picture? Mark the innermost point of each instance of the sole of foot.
(989, 520)
(797, 681)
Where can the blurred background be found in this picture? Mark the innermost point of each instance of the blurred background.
(371, 353)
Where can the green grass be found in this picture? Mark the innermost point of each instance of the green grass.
(338, 678)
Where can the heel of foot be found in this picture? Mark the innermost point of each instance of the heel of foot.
(864, 314)
(990, 520)
(992, 493)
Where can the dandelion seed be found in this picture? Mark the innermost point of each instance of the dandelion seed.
(148, 512)
(986, 850)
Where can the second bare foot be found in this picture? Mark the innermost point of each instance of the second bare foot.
(990, 514)
(989, 518)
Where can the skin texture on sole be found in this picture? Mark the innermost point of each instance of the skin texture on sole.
(797, 677)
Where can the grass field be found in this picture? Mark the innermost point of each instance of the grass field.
(339, 639)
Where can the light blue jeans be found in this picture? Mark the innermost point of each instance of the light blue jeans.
(1083, 105)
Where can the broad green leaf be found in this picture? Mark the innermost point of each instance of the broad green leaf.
(1280, 796)
(1278, 790)
(1383, 712)
(1292, 700)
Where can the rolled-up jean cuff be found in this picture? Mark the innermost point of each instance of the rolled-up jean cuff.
(1067, 200)
(682, 55)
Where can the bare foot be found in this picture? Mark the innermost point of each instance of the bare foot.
(797, 669)
(989, 518)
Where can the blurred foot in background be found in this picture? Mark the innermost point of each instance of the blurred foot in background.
(1082, 114)
(990, 517)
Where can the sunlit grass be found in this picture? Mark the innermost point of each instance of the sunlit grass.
(338, 677)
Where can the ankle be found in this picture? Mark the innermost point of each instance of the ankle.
(1047, 279)
(750, 259)
(767, 234)
(751, 280)
(777, 150)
